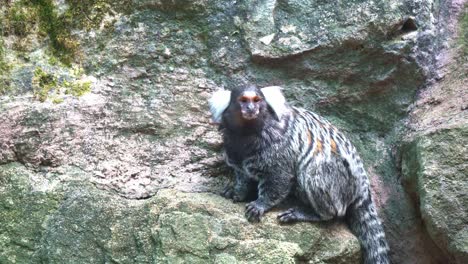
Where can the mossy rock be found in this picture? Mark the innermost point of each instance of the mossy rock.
(42, 213)
(434, 170)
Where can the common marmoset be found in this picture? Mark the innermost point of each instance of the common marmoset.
(285, 150)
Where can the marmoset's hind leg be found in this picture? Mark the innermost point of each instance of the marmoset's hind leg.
(299, 214)
(327, 188)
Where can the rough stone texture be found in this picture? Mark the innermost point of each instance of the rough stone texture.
(356, 54)
(435, 166)
(105, 172)
(57, 218)
(435, 153)
(276, 29)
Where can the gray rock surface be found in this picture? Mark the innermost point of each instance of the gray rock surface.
(435, 171)
(64, 218)
(435, 153)
(106, 145)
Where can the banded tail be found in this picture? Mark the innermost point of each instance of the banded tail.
(364, 222)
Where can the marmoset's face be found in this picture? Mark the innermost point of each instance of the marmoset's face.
(251, 104)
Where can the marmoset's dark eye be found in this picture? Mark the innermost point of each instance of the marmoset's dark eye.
(243, 99)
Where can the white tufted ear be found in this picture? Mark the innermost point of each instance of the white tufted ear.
(275, 99)
(219, 101)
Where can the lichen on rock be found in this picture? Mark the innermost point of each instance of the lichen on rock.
(107, 153)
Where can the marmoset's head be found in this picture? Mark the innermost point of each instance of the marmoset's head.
(247, 105)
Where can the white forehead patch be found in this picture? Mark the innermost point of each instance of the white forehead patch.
(249, 93)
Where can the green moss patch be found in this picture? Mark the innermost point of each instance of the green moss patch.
(89, 14)
(63, 45)
(24, 18)
(43, 83)
(4, 70)
(19, 20)
(48, 86)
